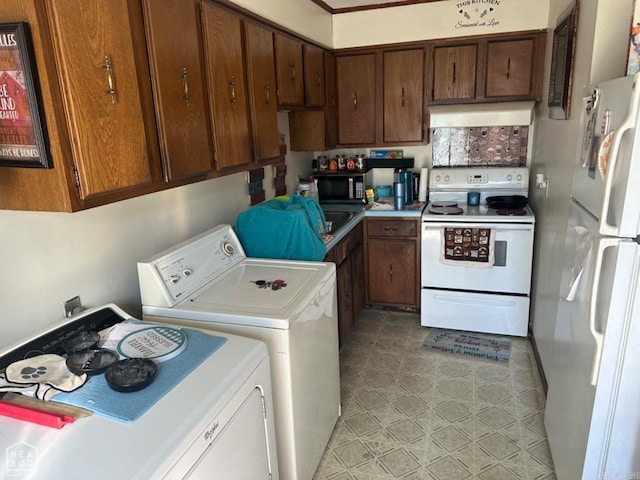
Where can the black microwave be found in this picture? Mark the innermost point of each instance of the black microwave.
(343, 187)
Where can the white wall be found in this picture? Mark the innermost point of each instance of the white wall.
(301, 16)
(600, 24)
(453, 18)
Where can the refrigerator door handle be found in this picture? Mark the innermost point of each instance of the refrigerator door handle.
(598, 335)
(629, 123)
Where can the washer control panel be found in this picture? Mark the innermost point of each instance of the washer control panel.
(178, 272)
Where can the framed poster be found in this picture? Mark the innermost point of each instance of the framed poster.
(562, 59)
(23, 139)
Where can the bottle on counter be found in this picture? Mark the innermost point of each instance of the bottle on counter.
(398, 195)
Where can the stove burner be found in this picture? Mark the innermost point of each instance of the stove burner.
(513, 212)
(447, 210)
(448, 203)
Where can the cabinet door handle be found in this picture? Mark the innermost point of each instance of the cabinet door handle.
(185, 86)
(390, 229)
(267, 93)
(319, 79)
(508, 68)
(355, 99)
(454, 72)
(390, 273)
(292, 66)
(232, 84)
(111, 89)
(402, 97)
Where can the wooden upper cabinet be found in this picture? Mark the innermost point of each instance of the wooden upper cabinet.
(289, 70)
(489, 69)
(313, 76)
(454, 72)
(510, 68)
(105, 87)
(331, 100)
(356, 78)
(179, 86)
(227, 87)
(262, 91)
(403, 95)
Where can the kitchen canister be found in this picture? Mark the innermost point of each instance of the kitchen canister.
(398, 195)
(383, 191)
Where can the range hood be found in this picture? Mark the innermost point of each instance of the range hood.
(481, 114)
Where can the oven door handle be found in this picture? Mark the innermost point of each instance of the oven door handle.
(527, 228)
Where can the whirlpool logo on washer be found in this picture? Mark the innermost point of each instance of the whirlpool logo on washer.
(210, 432)
(21, 457)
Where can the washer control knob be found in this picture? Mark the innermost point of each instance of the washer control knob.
(228, 249)
(186, 272)
(174, 279)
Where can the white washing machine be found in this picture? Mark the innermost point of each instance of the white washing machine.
(208, 282)
(215, 423)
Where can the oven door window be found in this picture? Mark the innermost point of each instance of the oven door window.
(510, 272)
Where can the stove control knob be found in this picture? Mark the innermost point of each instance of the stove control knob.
(519, 178)
(446, 178)
(509, 177)
(173, 279)
(438, 178)
(186, 272)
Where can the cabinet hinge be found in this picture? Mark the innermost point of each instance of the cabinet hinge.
(76, 178)
(201, 16)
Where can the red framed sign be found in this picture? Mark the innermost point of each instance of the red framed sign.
(23, 139)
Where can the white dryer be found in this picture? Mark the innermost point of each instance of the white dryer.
(208, 282)
(215, 423)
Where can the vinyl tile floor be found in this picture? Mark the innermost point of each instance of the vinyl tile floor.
(410, 413)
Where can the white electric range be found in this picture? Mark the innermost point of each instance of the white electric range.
(477, 260)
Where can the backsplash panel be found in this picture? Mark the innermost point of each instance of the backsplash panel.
(480, 146)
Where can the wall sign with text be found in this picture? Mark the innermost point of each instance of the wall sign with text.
(477, 13)
(23, 139)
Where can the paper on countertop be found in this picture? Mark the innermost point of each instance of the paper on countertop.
(159, 345)
(383, 204)
(583, 247)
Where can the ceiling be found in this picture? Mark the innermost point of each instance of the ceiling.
(344, 6)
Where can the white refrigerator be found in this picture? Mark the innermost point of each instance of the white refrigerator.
(592, 414)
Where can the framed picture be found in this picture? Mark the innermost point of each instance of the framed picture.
(562, 57)
(23, 139)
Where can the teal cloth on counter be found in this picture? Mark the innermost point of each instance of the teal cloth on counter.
(284, 229)
(97, 396)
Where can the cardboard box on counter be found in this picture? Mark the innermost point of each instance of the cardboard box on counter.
(385, 154)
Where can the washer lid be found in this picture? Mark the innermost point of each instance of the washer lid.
(258, 292)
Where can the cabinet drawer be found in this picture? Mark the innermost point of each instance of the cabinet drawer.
(341, 250)
(392, 228)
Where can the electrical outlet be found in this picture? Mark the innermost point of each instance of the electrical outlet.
(72, 306)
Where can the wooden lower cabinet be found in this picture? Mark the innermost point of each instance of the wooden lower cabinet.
(392, 260)
(345, 301)
(349, 259)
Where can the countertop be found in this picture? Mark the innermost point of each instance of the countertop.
(362, 211)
